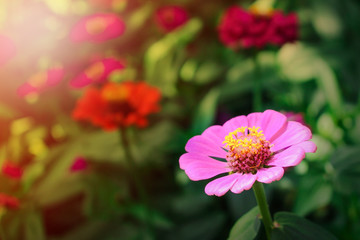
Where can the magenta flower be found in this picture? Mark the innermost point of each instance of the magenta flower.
(97, 72)
(256, 147)
(7, 49)
(41, 81)
(169, 18)
(97, 28)
(79, 164)
(239, 28)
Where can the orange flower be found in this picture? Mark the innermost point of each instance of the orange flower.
(118, 105)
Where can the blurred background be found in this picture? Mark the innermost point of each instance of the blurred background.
(65, 176)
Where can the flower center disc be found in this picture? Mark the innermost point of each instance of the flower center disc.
(248, 150)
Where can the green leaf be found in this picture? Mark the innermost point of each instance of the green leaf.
(314, 192)
(346, 169)
(58, 162)
(165, 57)
(290, 226)
(300, 63)
(144, 214)
(205, 113)
(247, 226)
(207, 72)
(34, 227)
(204, 228)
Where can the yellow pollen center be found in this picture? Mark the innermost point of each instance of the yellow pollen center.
(95, 71)
(96, 25)
(115, 93)
(38, 80)
(245, 140)
(248, 150)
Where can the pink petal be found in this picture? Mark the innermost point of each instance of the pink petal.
(204, 146)
(80, 81)
(295, 133)
(221, 185)
(254, 119)
(7, 49)
(235, 123)
(307, 146)
(288, 158)
(25, 89)
(244, 182)
(55, 75)
(199, 167)
(97, 72)
(268, 175)
(216, 134)
(273, 124)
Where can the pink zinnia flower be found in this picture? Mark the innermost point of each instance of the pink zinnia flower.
(7, 49)
(98, 28)
(41, 81)
(169, 18)
(11, 170)
(97, 72)
(256, 147)
(79, 164)
(292, 116)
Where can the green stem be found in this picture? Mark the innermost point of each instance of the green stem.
(257, 86)
(2, 232)
(134, 171)
(263, 206)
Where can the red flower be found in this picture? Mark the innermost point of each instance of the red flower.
(118, 105)
(98, 28)
(12, 170)
(285, 28)
(8, 201)
(169, 18)
(97, 72)
(41, 81)
(7, 49)
(246, 29)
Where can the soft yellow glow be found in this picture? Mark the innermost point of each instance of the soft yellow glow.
(58, 131)
(2, 13)
(262, 7)
(59, 7)
(79, 7)
(20, 126)
(37, 147)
